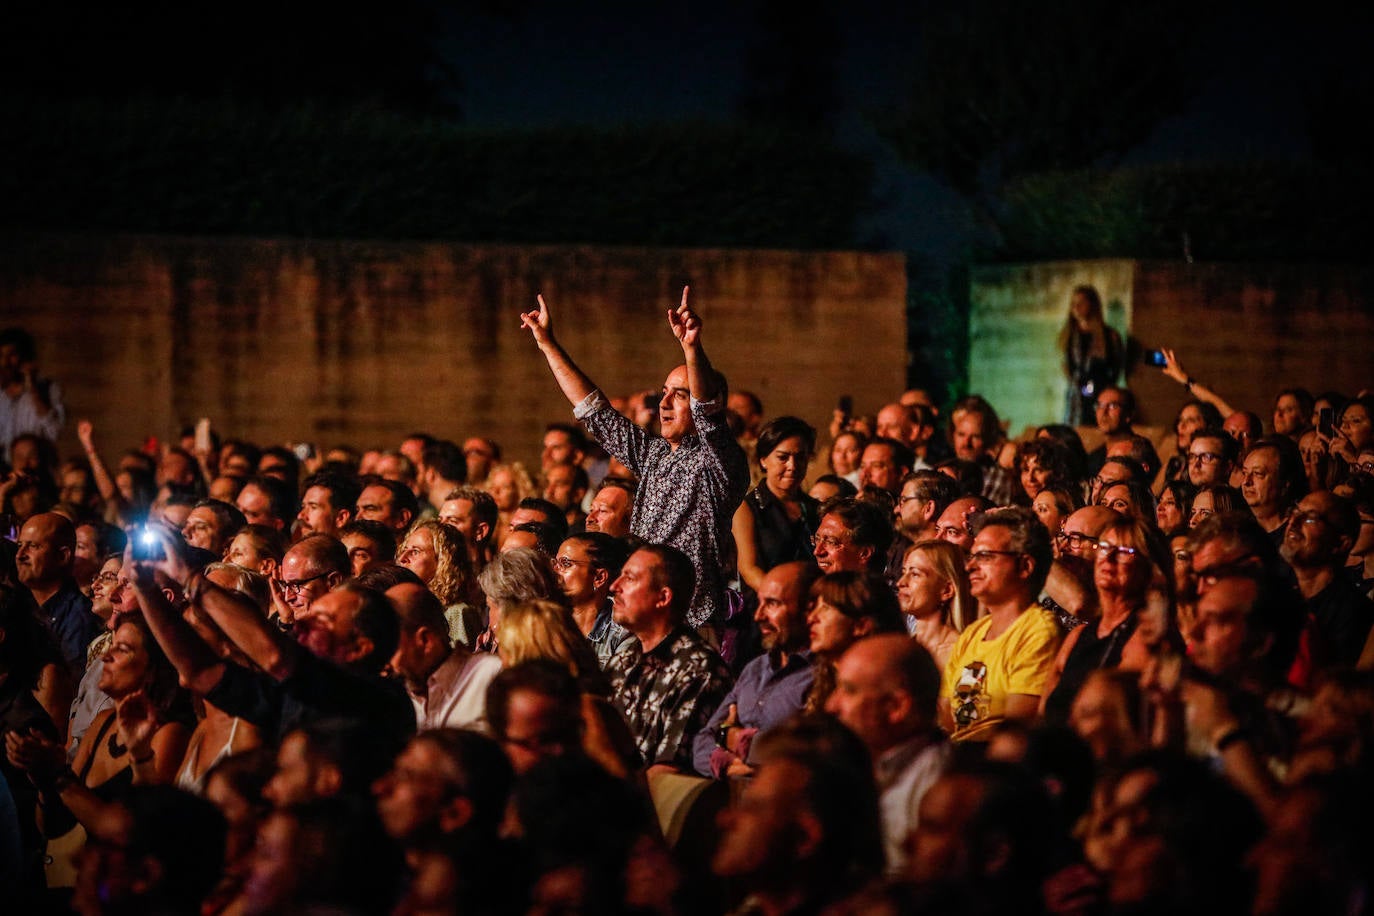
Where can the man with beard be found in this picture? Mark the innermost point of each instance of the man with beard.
(772, 687)
(43, 560)
(1317, 541)
(327, 502)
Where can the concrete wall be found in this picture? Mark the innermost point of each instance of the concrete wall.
(1246, 330)
(363, 342)
(1016, 313)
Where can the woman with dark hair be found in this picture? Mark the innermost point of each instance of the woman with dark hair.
(845, 607)
(1293, 412)
(1068, 437)
(1092, 351)
(1043, 463)
(1053, 505)
(1132, 560)
(775, 522)
(1193, 416)
(1214, 499)
(1173, 505)
(140, 740)
(1129, 497)
(1354, 432)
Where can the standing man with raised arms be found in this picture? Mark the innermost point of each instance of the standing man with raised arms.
(692, 476)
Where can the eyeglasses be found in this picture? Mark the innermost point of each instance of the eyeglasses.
(1077, 540)
(1203, 457)
(829, 543)
(903, 500)
(986, 556)
(1101, 483)
(106, 579)
(1110, 552)
(566, 563)
(1244, 568)
(298, 585)
(1311, 517)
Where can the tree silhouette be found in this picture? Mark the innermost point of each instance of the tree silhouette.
(1004, 89)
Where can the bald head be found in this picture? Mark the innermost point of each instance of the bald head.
(886, 689)
(320, 553)
(57, 530)
(43, 556)
(1081, 530)
(417, 607)
(952, 525)
(1089, 520)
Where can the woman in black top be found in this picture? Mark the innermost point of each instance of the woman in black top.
(1093, 354)
(775, 522)
(1132, 559)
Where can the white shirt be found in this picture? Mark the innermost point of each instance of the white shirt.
(18, 416)
(457, 692)
(904, 774)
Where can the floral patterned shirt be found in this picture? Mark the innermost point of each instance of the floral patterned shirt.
(687, 496)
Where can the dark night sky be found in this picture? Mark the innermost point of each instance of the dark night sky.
(553, 62)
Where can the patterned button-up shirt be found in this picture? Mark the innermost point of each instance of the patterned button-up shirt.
(668, 694)
(687, 496)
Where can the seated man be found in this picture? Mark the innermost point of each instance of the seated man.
(771, 688)
(886, 690)
(668, 682)
(1001, 663)
(853, 536)
(444, 801)
(447, 684)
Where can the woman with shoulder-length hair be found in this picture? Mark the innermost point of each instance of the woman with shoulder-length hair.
(438, 554)
(933, 591)
(1133, 559)
(1092, 351)
(845, 607)
(546, 630)
(775, 522)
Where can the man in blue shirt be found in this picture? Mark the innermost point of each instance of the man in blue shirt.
(771, 688)
(43, 558)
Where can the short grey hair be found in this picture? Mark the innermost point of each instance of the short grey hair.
(246, 582)
(521, 574)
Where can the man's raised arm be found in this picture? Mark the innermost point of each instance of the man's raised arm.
(575, 384)
(702, 380)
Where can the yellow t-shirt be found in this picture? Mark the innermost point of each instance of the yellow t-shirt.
(982, 673)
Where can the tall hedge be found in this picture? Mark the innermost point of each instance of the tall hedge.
(228, 168)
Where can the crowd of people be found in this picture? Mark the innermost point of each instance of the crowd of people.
(704, 660)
